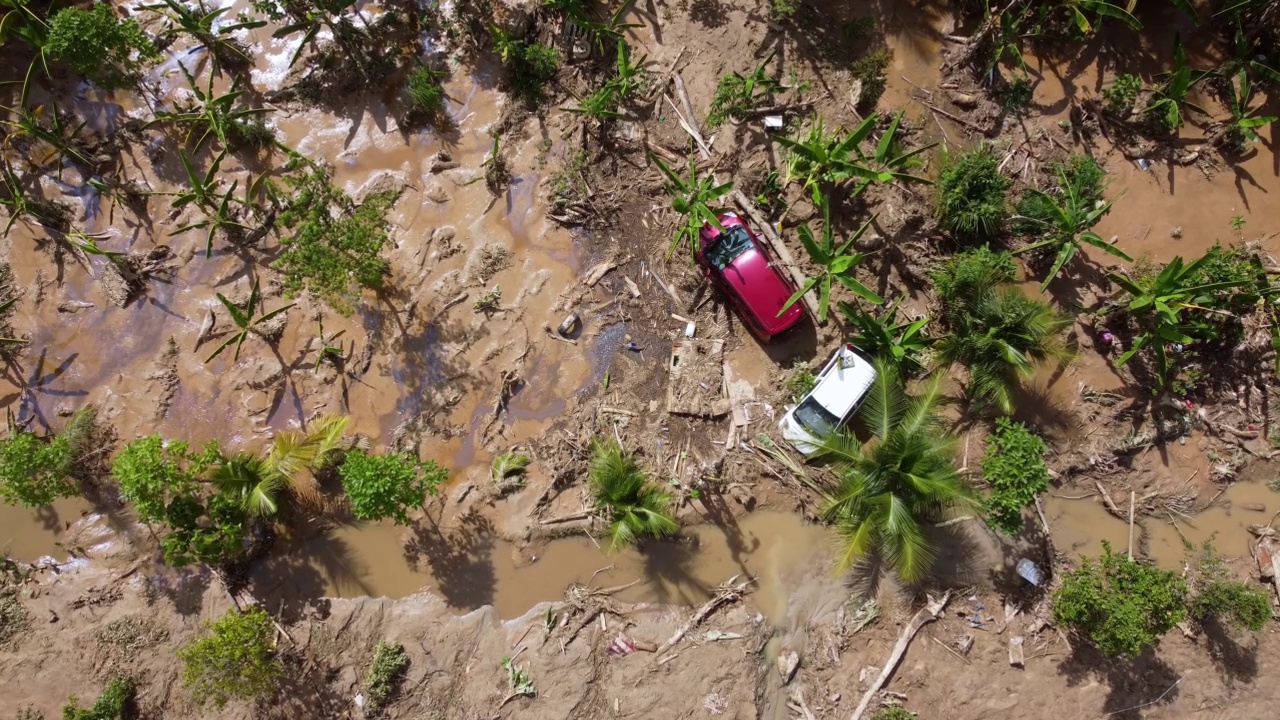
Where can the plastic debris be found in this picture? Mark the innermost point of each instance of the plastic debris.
(621, 646)
(1028, 571)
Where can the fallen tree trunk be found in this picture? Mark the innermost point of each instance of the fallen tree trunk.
(927, 614)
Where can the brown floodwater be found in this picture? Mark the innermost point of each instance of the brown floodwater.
(1225, 524)
(28, 535)
(470, 567)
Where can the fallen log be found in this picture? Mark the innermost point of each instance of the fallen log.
(927, 614)
(730, 593)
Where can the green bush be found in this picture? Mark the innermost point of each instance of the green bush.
(34, 471)
(894, 712)
(782, 10)
(388, 486)
(335, 245)
(1120, 95)
(1220, 595)
(870, 69)
(1014, 469)
(1016, 95)
(234, 660)
(1121, 605)
(963, 273)
(385, 673)
(108, 50)
(110, 704)
(972, 201)
(801, 382)
(426, 94)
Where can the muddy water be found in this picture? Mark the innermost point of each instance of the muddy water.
(1226, 523)
(1080, 526)
(470, 567)
(28, 535)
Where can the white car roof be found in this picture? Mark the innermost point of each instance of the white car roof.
(843, 382)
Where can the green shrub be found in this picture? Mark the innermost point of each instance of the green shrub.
(34, 470)
(782, 10)
(1014, 469)
(1120, 95)
(388, 486)
(335, 245)
(110, 704)
(530, 65)
(1121, 605)
(963, 273)
(233, 660)
(801, 382)
(385, 673)
(108, 50)
(1016, 95)
(972, 201)
(426, 94)
(1220, 595)
(894, 712)
(870, 69)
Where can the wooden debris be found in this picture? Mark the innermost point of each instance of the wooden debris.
(595, 274)
(631, 285)
(729, 592)
(617, 411)
(1106, 499)
(926, 615)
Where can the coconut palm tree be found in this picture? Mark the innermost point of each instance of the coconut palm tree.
(1001, 336)
(256, 480)
(903, 477)
(634, 507)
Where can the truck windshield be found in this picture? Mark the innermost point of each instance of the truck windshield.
(816, 419)
(732, 243)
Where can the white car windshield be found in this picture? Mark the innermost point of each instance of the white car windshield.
(816, 419)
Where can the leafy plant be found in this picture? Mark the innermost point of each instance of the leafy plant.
(904, 476)
(801, 382)
(23, 206)
(964, 274)
(822, 160)
(972, 193)
(214, 115)
(736, 95)
(203, 191)
(783, 10)
(1171, 105)
(335, 245)
(1216, 593)
(1015, 471)
(835, 262)
(1120, 95)
(1121, 605)
(256, 481)
(1244, 120)
(63, 139)
(1067, 220)
(110, 704)
(894, 712)
(603, 103)
(1080, 10)
(1162, 307)
(35, 471)
(385, 673)
(1001, 336)
(206, 27)
(327, 351)
(1016, 95)
(633, 506)
(108, 50)
(693, 198)
(868, 71)
(901, 345)
(388, 486)
(518, 680)
(509, 468)
(426, 94)
(233, 660)
(245, 321)
(530, 65)
(311, 17)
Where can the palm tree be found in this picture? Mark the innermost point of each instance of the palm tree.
(904, 476)
(256, 481)
(1001, 336)
(634, 507)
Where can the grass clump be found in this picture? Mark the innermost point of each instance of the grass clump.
(1122, 606)
(110, 704)
(972, 195)
(1016, 95)
(108, 50)
(530, 65)
(737, 94)
(13, 617)
(233, 660)
(894, 712)
(963, 273)
(1217, 594)
(801, 382)
(426, 94)
(869, 70)
(508, 470)
(385, 672)
(1015, 471)
(783, 10)
(1120, 95)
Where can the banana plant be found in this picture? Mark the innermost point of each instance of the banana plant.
(311, 17)
(212, 115)
(693, 198)
(1244, 122)
(882, 336)
(836, 263)
(1081, 9)
(1171, 103)
(202, 25)
(245, 321)
(1071, 216)
(1159, 308)
(889, 158)
(822, 160)
(219, 218)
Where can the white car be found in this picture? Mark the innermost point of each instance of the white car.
(839, 389)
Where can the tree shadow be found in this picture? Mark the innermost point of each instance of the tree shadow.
(1238, 662)
(301, 572)
(667, 567)
(708, 13)
(183, 588)
(309, 687)
(1036, 407)
(459, 559)
(1136, 684)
